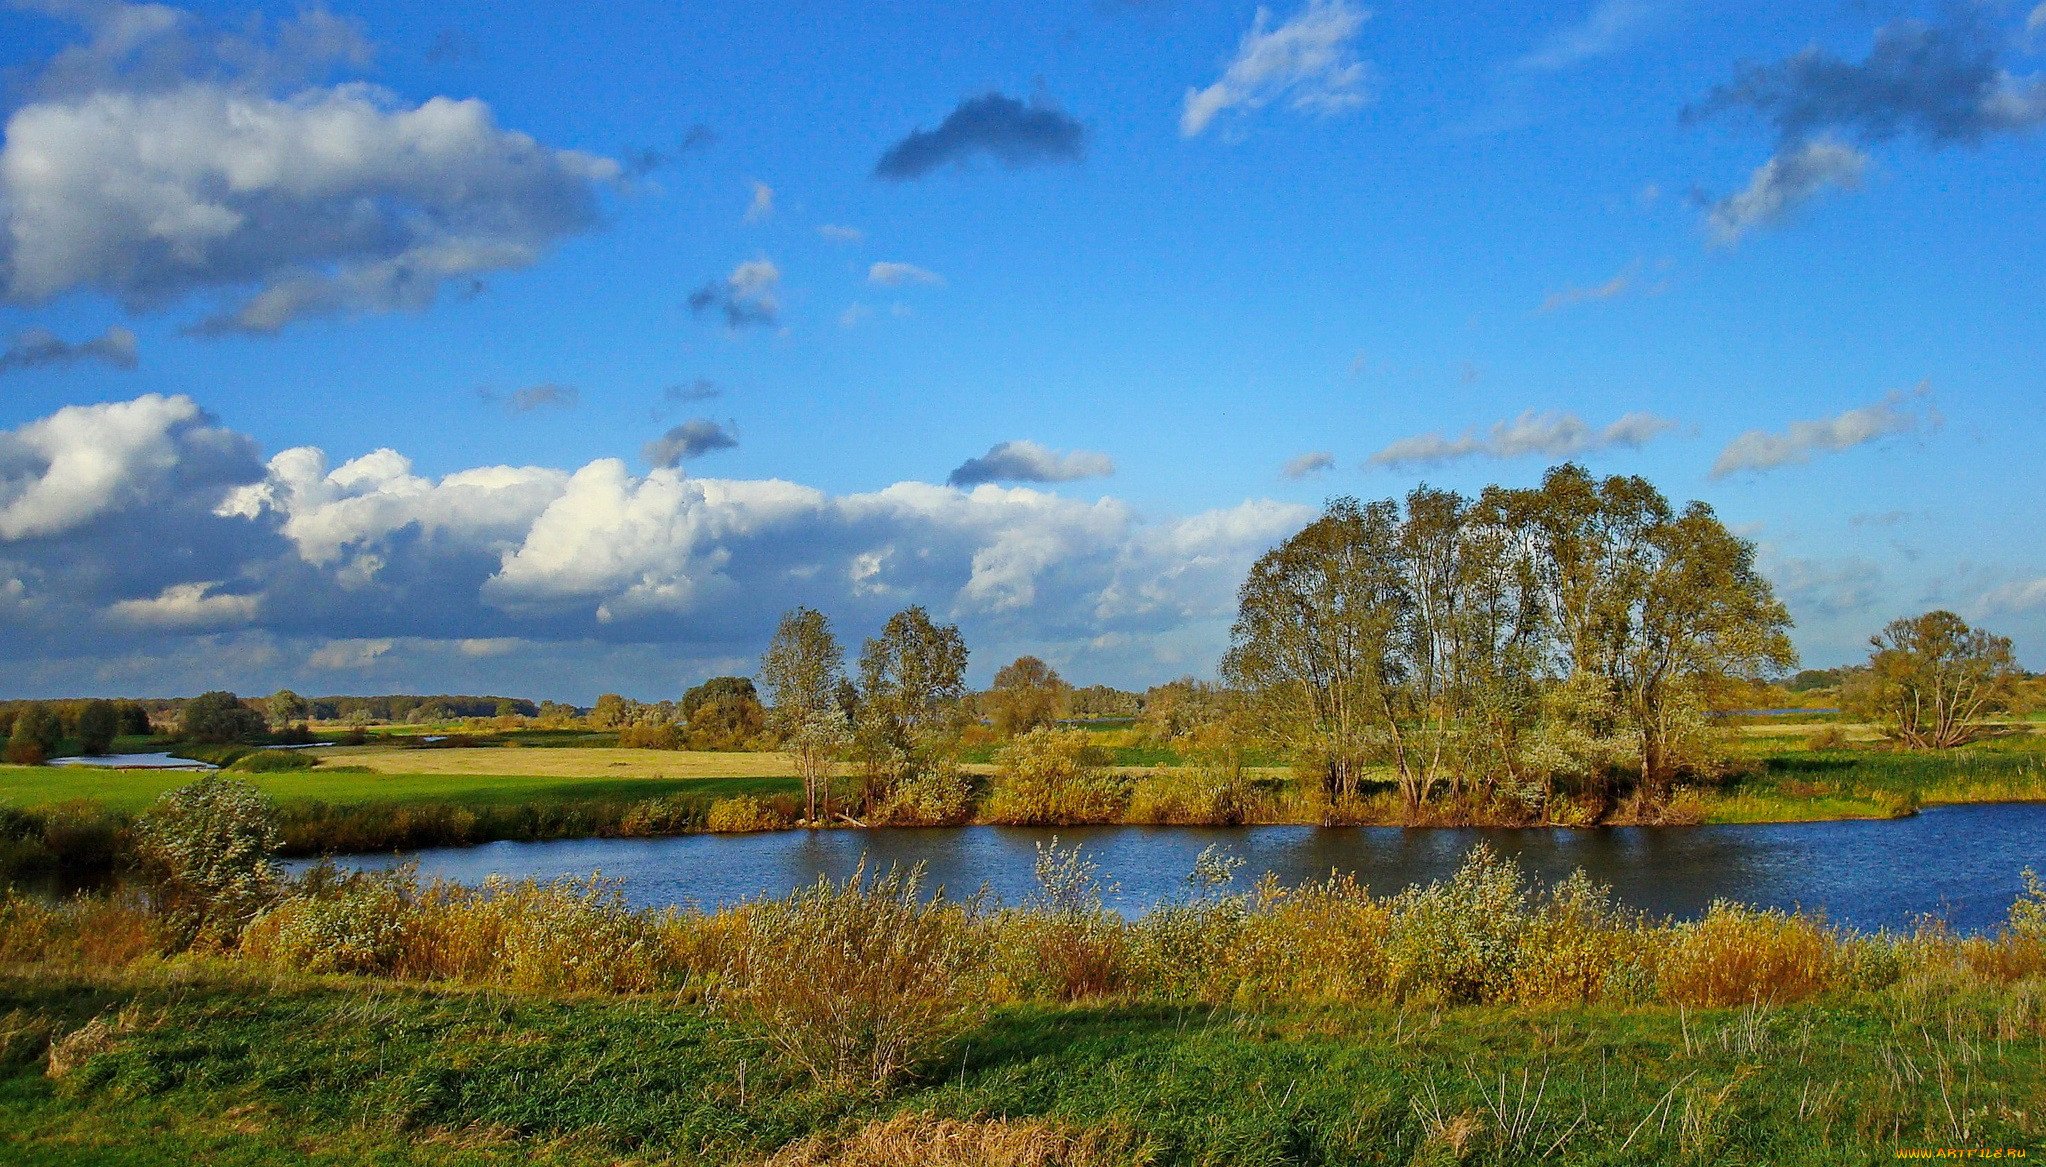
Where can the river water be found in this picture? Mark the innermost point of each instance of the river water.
(1958, 863)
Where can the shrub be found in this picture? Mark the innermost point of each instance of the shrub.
(1055, 778)
(928, 1141)
(743, 813)
(1322, 943)
(1830, 737)
(205, 851)
(654, 817)
(1576, 946)
(651, 736)
(935, 795)
(566, 935)
(1065, 943)
(1738, 955)
(335, 923)
(272, 761)
(856, 983)
(1458, 940)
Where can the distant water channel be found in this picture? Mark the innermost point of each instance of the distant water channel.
(1958, 863)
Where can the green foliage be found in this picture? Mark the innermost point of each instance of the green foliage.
(1027, 694)
(804, 671)
(272, 762)
(218, 718)
(35, 735)
(1931, 681)
(1054, 778)
(206, 850)
(98, 724)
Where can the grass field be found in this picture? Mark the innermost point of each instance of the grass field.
(473, 777)
(223, 1068)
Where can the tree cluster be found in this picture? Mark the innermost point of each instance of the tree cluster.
(1567, 636)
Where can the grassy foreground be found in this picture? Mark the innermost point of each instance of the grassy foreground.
(212, 1065)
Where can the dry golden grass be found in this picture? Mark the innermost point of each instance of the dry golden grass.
(919, 1140)
(564, 762)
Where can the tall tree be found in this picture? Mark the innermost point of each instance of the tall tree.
(1314, 643)
(912, 680)
(1931, 680)
(1027, 694)
(98, 722)
(287, 707)
(804, 672)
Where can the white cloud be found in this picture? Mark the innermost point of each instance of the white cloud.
(894, 275)
(746, 297)
(761, 207)
(2022, 595)
(1608, 26)
(1308, 59)
(1027, 461)
(84, 461)
(1780, 184)
(349, 655)
(1303, 465)
(838, 234)
(1762, 450)
(327, 200)
(1554, 435)
(854, 315)
(1612, 289)
(188, 605)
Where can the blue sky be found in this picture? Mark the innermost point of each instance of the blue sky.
(1787, 262)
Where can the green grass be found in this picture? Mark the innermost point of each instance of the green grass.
(227, 1071)
(1796, 784)
(132, 790)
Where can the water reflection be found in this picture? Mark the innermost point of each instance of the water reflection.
(1959, 863)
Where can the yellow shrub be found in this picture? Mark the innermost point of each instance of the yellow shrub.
(1737, 955)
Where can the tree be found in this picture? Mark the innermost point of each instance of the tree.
(1313, 645)
(1027, 694)
(287, 707)
(715, 690)
(219, 717)
(134, 719)
(804, 670)
(1931, 680)
(610, 711)
(912, 680)
(98, 723)
(36, 733)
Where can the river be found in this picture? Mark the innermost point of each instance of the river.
(1959, 863)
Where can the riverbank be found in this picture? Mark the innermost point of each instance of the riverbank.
(1473, 1021)
(385, 797)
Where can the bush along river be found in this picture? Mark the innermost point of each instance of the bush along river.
(1961, 864)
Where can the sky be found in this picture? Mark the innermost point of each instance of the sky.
(557, 350)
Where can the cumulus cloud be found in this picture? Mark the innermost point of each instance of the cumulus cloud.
(834, 233)
(84, 461)
(310, 561)
(37, 348)
(1308, 61)
(761, 207)
(745, 298)
(1000, 127)
(188, 605)
(1304, 465)
(1826, 587)
(151, 171)
(894, 275)
(543, 396)
(1759, 450)
(1942, 83)
(1027, 461)
(1553, 435)
(688, 440)
(1782, 183)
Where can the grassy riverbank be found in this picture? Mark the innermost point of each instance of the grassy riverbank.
(393, 794)
(1473, 1021)
(226, 1069)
